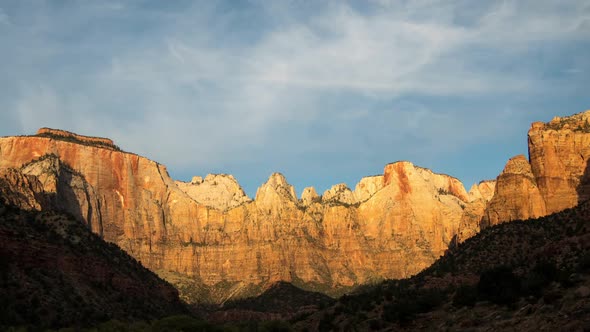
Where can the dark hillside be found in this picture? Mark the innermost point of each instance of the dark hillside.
(54, 272)
(521, 275)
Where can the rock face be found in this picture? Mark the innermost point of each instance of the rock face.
(483, 190)
(479, 197)
(403, 221)
(339, 193)
(556, 178)
(87, 140)
(308, 196)
(219, 191)
(517, 196)
(559, 153)
(367, 187)
(214, 243)
(20, 190)
(420, 209)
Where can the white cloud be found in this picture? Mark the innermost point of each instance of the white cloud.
(190, 92)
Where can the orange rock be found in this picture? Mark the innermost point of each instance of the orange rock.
(403, 224)
(557, 177)
(219, 191)
(559, 153)
(479, 197)
(517, 196)
(216, 239)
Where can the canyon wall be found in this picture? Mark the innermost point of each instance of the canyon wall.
(554, 178)
(214, 242)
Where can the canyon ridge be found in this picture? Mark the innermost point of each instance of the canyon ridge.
(214, 243)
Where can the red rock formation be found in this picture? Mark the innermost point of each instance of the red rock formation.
(62, 134)
(392, 226)
(18, 189)
(559, 153)
(403, 227)
(517, 196)
(479, 197)
(557, 177)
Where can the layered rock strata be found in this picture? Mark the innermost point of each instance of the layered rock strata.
(406, 220)
(214, 243)
(517, 196)
(555, 177)
(559, 153)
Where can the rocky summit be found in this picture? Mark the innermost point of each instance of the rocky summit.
(214, 243)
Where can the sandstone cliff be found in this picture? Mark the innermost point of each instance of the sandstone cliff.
(559, 153)
(471, 220)
(556, 177)
(367, 187)
(399, 224)
(213, 242)
(517, 196)
(308, 196)
(219, 191)
(339, 193)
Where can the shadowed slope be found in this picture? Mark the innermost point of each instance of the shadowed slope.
(54, 272)
(520, 275)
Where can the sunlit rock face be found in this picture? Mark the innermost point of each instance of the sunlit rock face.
(219, 191)
(554, 178)
(339, 193)
(517, 196)
(213, 242)
(308, 196)
(559, 151)
(471, 221)
(367, 187)
(209, 235)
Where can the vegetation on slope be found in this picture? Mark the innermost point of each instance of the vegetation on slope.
(54, 272)
(527, 273)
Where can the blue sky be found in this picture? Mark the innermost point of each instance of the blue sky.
(322, 91)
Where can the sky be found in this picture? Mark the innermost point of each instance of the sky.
(324, 92)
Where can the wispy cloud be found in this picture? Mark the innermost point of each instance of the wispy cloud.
(289, 85)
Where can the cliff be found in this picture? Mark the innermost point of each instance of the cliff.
(555, 177)
(559, 153)
(519, 276)
(517, 196)
(471, 221)
(219, 191)
(214, 243)
(81, 139)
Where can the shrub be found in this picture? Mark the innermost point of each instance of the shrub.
(326, 323)
(182, 323)
(274, 326)
(465, 295)
(499, 285)
(112, 326)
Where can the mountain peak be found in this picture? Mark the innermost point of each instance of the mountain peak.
(276, 189)
(219, 191)
(339, 193)
(308, 196)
